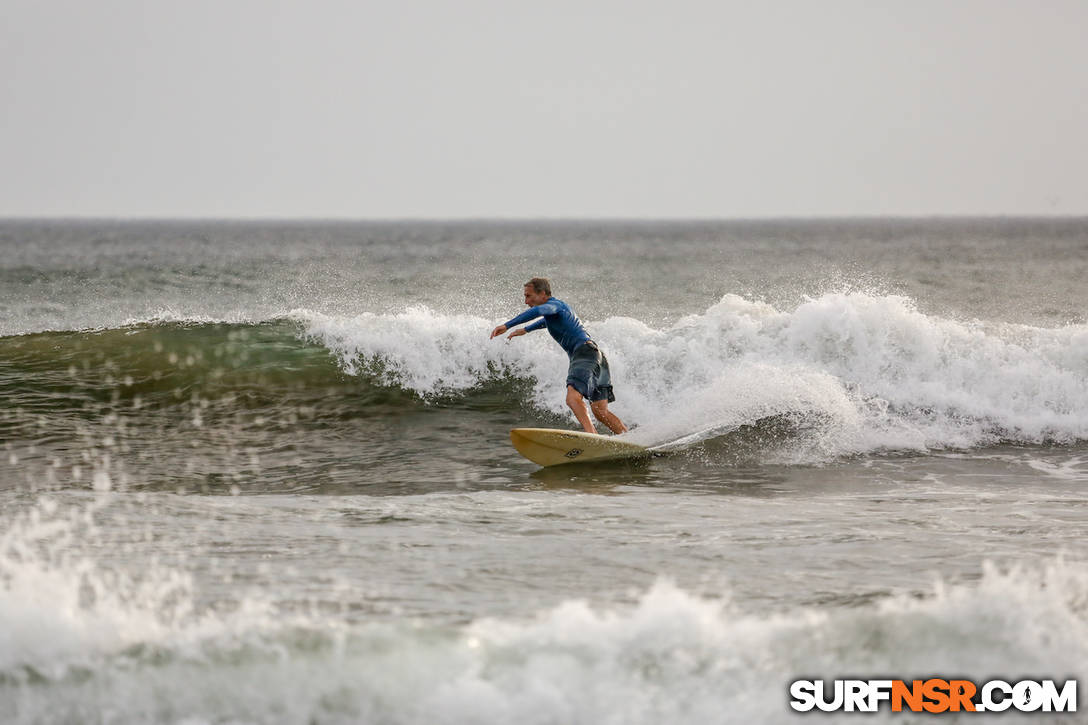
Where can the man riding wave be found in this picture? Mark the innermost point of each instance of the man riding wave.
(588, 376)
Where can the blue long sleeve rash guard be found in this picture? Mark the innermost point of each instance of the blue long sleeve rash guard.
(560, 320)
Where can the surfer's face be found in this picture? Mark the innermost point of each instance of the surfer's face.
(534, 298)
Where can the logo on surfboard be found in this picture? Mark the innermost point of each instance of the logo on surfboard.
(574, 453)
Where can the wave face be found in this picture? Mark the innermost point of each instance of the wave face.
(840, 375)
(860, 372)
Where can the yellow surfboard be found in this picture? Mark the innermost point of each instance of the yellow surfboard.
(551, 447)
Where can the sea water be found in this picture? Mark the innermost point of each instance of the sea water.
(260, 472)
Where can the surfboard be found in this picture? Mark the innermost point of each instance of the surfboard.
(552, 447)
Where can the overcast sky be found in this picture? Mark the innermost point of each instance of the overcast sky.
(447, 108)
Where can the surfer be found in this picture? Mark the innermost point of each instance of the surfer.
(587, 377)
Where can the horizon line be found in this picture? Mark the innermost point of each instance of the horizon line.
(538, 219)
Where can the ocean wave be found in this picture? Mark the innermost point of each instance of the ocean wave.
(170, 362)
(87, 637)
(855, 373)
(877, 373)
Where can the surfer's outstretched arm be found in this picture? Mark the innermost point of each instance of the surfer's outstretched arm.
(538, 325)
(532, 313)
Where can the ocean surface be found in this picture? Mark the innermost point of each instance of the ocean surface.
(260, 472)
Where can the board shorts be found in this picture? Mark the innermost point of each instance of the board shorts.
(588, 373)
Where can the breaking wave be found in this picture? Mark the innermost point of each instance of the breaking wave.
(87, 637)
(867, 372)
(848, 374)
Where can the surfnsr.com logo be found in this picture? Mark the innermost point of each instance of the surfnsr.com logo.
(934, 695)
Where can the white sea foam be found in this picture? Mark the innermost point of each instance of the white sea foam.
(432, 353)
(873, 371)
(136, 649)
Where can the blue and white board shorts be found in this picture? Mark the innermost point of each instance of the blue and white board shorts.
(588, 373)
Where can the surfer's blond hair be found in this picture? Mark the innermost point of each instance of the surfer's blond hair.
(540, 284)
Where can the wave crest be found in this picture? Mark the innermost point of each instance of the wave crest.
(873, 370)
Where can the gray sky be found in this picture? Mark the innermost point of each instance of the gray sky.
(444, 108)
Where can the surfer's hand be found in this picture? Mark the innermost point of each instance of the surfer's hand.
(516, 333)
(497, 331)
